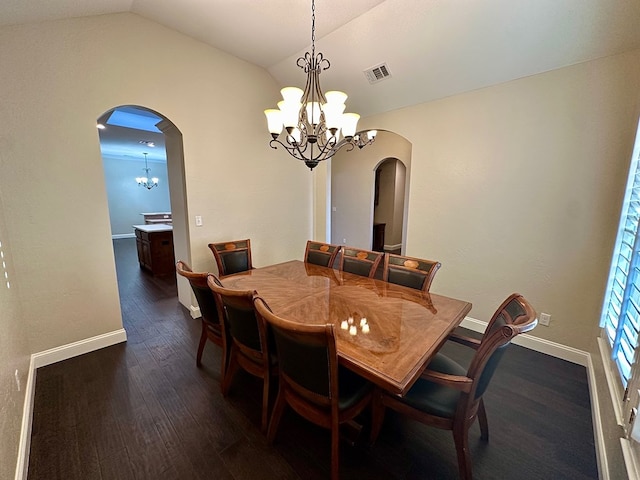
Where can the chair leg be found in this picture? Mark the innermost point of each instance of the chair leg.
(276, 415)
(335, 450)
(231, 370)
(482, 420)
(265, 401)
(203, 341)
(377, 416)
(461, 439)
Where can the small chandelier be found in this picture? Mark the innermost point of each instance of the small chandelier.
(144, 181)
(313, 120)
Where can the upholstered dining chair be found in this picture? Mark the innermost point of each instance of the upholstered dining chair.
(409, 271)
(323, 254)
(249, 346)
(232, 257)
(311, 381)
(360, 262)
(449, 396)
(211, 326)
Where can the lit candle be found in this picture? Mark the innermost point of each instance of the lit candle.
(344, 325)
(353, 330)
(365, 328)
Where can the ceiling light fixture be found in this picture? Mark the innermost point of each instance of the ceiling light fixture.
(313, 120)
(144, 181)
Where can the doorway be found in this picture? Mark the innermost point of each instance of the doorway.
(127, 132)
(388, 206)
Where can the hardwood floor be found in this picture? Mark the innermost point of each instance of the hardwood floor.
(142, 410)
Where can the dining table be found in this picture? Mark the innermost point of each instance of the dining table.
(386, 333)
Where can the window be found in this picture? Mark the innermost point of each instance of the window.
(621, 309)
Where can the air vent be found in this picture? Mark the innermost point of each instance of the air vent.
(378, 73)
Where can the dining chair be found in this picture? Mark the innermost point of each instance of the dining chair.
(209, 312)
(323, 254)
(449, 396)
(249, 346)
(232, 257)
(311, 381)
(409, 271)
(360, 262)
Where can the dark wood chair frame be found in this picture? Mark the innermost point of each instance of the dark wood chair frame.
(257, 362)
(500, 331)
(324, 249)
(220, 249)
(318, 409)
(211, 326)
(365, 257)
(411, 265)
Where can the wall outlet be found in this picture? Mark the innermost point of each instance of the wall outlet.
(198, 221)
(17, 380)
(545, 319)
(344, 240)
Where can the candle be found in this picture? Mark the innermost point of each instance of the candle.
(353, 330)
(365, 328)
(344, 325)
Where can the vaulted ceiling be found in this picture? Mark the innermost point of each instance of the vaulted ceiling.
(432, 48)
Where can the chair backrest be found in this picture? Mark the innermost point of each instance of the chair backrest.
(409, 271)
(204, 296)
(323, 254)
(307, 356)
(239, 317)
(232, 257)
(513, 317)
(360, 262)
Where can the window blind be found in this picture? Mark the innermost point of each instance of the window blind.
(621, 309)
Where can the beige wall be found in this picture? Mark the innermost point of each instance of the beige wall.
(56, 79)
(518, 187)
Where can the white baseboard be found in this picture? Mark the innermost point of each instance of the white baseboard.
(45, 358)
(598, 432)
(81, 347)
(122, 235)
(392, 247)
(22, 464)
(195, 312)
(633, 469)
(541, 345)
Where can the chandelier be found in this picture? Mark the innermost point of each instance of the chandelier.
(313, 120)
(144, 181)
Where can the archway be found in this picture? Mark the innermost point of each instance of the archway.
(128, 132)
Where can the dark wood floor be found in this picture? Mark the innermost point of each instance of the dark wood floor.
(142, 410)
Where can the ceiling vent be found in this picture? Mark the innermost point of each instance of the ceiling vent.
(378, 73)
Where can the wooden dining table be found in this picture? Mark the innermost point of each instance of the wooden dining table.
(387, 333)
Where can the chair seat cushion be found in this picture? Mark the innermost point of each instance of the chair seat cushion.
(352, 388)
(433, 398)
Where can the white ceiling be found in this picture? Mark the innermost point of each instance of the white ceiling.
(434, 48)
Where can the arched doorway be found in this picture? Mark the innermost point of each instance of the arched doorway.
(388, 206)
(127, 134)
(351, 175)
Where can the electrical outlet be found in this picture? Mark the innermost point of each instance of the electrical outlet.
(198, 221)
(545, 319)
(17, 379)
(344, 240)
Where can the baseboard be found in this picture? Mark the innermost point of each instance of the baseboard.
(633, 469)
(81, 347)
(22, 464)
(123, 235)
(195, 312)
(598, 431)
(392, 247)
(541, 345)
